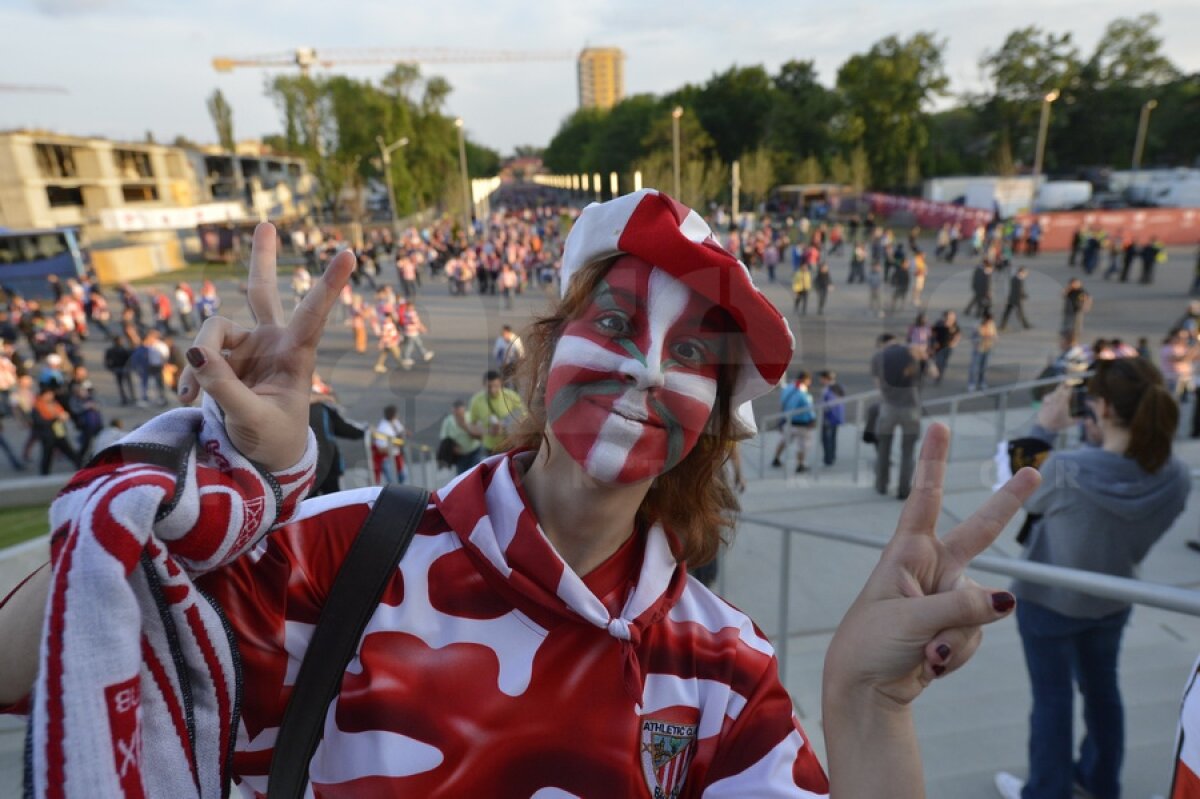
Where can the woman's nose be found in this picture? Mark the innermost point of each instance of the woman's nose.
(644, 375)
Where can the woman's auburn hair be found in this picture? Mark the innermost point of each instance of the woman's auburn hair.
(693, 500)
(1134, 389)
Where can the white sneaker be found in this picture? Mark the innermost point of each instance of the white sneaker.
(1008, 785)
(381, 368)
(428, 357)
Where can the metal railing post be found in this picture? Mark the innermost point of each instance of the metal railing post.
(785, 600)
(861, 420)
(1001, 416)
(370, 458)
(762, 454)
(953, 428)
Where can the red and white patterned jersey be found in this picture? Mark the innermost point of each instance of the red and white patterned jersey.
(491, 669)
(1186, 783)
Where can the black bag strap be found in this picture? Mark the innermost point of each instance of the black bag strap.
(360, 581)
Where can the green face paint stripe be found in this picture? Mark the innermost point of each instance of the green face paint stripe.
(632, 349)
(674, 433)
(603, 297)
(567, 396)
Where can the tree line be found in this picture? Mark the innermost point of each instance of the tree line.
(333, 122)
(876, 127)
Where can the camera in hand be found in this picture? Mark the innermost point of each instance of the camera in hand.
(1079, 405)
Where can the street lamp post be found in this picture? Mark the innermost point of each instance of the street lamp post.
(737, 190)
(1038, 157)
(1139, 143)
(386, 150)
(466, 187)
(675, 115)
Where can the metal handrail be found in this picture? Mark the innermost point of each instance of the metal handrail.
(1124, 589)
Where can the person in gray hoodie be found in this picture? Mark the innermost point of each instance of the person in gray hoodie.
(1099, 508)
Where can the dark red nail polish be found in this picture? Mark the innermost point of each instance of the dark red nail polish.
(1003, 602)
(196, 358)
(938, 671)
(943, 651)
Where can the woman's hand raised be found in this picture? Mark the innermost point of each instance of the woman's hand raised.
(918, 617)
(262, 378)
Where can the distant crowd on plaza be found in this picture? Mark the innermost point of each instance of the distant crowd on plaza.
(49, 399)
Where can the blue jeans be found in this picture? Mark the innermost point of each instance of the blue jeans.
(1058, 650)
(977, 373)
(829, 443)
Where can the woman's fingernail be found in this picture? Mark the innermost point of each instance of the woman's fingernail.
(943, 651)
(1003, 602)
(938, 671)
(196, 358)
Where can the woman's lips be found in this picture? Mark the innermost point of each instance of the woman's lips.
(625, 413)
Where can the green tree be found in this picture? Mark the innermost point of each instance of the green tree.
(1030, 64)
(810, 171)
(335, 122)
(860, 169)
(733, 106)
(839, 170)
(617, 140)
(565, 152)
(482, 161)
(800, 112)
(222, 118)
(757, 175)
(702, 180)
(1130, 54)
(885, 92)
(1126, 70)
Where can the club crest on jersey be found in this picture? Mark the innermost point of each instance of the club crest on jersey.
(667, 750)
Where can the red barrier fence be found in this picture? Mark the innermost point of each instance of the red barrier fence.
(1169, 225)
(1173, 226)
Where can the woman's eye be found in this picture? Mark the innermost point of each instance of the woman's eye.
(614, 323)
(692, 351)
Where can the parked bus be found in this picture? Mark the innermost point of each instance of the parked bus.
(28, 257)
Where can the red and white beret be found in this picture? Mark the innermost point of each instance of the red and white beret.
(666, 233)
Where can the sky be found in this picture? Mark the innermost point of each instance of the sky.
(138, 66)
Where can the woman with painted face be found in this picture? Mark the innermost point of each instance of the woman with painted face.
(541, 636)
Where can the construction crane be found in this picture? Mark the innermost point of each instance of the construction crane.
(32, 88)
(305, 58)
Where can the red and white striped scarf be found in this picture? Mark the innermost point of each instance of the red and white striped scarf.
(137, 694)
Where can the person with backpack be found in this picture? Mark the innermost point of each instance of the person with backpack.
(558, 564)
(797, 427)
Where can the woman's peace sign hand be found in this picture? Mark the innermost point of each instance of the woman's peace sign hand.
(919, 616)
(262, 378)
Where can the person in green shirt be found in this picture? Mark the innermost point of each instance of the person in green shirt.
(467, 448)
(491, 411)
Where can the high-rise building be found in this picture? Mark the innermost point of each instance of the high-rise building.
(601, 77)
